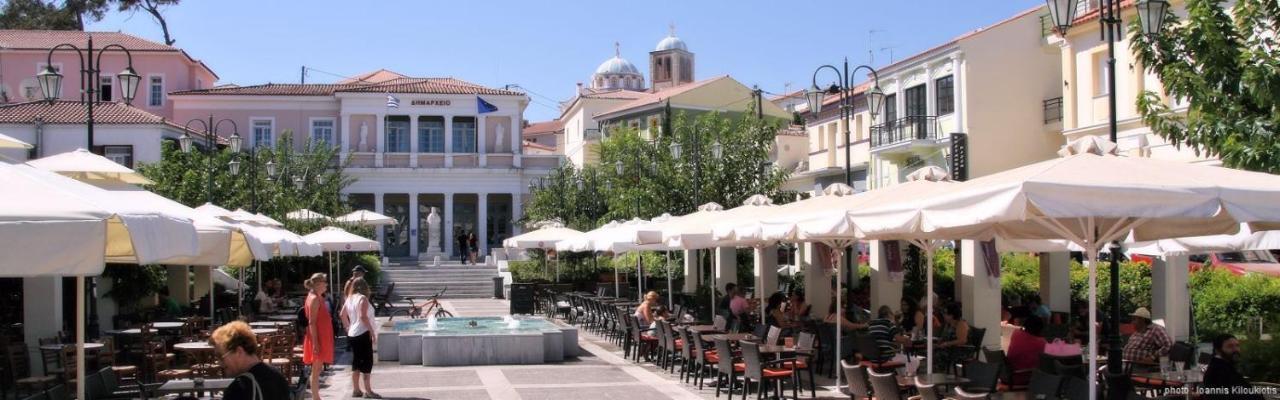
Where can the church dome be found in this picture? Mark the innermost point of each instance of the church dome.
(617, 65)
(671, 42)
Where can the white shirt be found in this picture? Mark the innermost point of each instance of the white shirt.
(357, 326)
(265, 303)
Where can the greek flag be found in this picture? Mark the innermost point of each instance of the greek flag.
(392, 101)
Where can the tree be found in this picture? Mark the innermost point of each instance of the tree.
(1226, 66)
(36, 14)
(152, 7)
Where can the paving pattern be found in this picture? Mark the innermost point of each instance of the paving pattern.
(600, 373)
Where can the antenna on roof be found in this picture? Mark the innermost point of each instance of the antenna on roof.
(303, 79)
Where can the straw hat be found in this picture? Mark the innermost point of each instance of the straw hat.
(1142, 312)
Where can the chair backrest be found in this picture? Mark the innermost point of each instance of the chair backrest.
(109, 380)
(761, 331)
(59, 392)
(1044, 385)
(1181, 352)
(982, 376)
(94, 388)
(773, 336)
(660, 332)
(927, 392)
(856, 374)
(751, 356)
(720, 323)
(885, 386)
(38, 396)
(804, 341)
(1074, 388)
(725, 354)
(976, 335)
(996, 356)
(636, 328)
(687, 350)
(694, 339)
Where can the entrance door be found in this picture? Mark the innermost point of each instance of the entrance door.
(917, 110)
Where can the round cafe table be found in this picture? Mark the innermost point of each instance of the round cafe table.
(167, 325)
(283, 317)
(264, 331)
(193, 346)
(57, 347)
(268, 324)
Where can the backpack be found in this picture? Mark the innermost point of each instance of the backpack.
(302, 319)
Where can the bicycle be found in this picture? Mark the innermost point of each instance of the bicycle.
(432, 304)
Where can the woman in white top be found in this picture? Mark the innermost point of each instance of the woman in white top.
(357, 315)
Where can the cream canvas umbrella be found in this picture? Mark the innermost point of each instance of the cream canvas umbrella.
(695, 231)
(543, 238)
(90, 229)
(1089, 197)
(652, 235)
(335, 241)
(84, 165)
(9, 142)
(621, 238)
(306, 215)
(366, 218)
(582, 243)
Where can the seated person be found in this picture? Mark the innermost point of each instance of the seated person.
(1025, 347)
(237, 350)
(738, 305)
(646, 311)
(887, 335)
(833, 318)
(1221, 376)
(797, 309)
(955, 330)
(774, 316)
(266, 304)
(1149, 341)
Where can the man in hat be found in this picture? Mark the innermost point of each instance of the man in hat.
(357, 272)
(1149, 341)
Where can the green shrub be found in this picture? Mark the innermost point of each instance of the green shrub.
(1260, 360)
(132, 283)
(944, 273)
(1019, 275)
(1226, 303)
(1135, 285)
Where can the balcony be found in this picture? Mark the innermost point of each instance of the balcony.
(905, 134)
(1052, 110)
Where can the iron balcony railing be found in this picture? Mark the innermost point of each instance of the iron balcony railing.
(1053, 110)
(918, 127)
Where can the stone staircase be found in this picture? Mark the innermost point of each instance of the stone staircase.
(421, 279)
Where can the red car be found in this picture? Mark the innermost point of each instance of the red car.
(1238, 262)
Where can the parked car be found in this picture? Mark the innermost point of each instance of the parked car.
(1238, 262)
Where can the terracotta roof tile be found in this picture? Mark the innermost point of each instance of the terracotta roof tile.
(616, 94)
(396, 85)
(533, 145)
(543, 127)
(273, 89)
(73, 112)
(47, 39)
(381, 75)
(649, 98)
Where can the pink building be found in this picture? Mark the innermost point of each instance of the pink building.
(164, 69)
(412, 145)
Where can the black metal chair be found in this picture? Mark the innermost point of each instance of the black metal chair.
(1075, 389)
(1044, 386)
(1008, 375)
(982, 377)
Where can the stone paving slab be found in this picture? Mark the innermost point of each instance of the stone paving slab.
(563, 375)
(629, 392)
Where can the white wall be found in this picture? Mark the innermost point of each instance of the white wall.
(145, 139)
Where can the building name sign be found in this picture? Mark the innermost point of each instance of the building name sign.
(434, 102)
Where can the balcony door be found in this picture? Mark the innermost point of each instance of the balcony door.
(917, 109)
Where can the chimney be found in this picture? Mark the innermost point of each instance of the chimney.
(579, 87)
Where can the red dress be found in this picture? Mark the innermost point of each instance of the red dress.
(322, 322)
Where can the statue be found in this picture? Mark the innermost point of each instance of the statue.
(364, 136)
(433, 232)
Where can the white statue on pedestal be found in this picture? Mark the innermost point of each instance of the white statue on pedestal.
(433, 232)
(364, 137)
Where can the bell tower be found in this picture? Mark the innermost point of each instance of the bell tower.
(670, 63)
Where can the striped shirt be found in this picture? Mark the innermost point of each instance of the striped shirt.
(883, 331)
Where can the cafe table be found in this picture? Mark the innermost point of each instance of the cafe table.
(268, 324)
(283, 317)
(731, 337)
(703, 329)
(1186, 379)
(167, 325)
(178, 386)
(193, 346)
(264, 331)
(88, 346)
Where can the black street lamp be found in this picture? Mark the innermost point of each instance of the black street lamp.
(51, 80)
(236, 142)
(1151, 15)
(844, 87)
(210, 132)
(51, 87)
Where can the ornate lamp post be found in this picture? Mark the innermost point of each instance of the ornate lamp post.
(210, 132)
(236, 142)
(1151, 14)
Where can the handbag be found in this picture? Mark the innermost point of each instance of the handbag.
(1059, 348)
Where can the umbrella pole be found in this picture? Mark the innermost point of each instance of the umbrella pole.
(670, 294)
(640, 275)
(928, 319)
(240, 291)
(714, 281)
(617, 287)
(212, 297)
(835, 263)
(1091, 265)
(80, 394)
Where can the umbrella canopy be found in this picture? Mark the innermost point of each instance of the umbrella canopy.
(544, 238)
(268, 220)
(241, 215)
(84, 165)
(653, 234)
(332, 238)
(1245, 239)
(306, 215)
(366, 218)
(694, 231)
(582, 242)
(615, 237)
(9, 142)
(35, 211)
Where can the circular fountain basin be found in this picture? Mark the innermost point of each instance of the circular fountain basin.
(477, 341)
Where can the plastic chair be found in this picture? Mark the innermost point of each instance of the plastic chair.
(982, 380)
(856, 375)
(885, 386)
(762, 372)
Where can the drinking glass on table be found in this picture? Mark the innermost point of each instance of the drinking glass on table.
(1164, 367)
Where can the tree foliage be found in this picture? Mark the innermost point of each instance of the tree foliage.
(1226, 65)
(639, 177)
(72, 15)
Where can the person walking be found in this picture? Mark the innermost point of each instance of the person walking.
(237, 348)
(357, 315)
(460, 236)
(317, 344)
(471, 245)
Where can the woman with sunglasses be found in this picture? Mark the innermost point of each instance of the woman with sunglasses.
(317, 345)
(237, 349)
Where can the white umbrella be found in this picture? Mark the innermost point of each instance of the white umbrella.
(1245, 239)
(268, 220)
(82, 164)
(336, 240)
(366, 218)
(544, 238)
(9, 142)
(1090, 199)
(90, 229)
(306, 215)
(695, 231)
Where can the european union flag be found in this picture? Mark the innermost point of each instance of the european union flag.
(484, 106)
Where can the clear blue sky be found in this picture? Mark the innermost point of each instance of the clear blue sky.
(548, 46)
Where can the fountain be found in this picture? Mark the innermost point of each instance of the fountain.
(477, 341)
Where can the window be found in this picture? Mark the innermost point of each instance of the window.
(155, 90)
(945, 88)
(916, 101)
(464, 134)
(322, 132)
(430, 134)
(890, 108)
(263, 132)
(122, 155)
(104, 88)
(1101, 71)
(397, 134)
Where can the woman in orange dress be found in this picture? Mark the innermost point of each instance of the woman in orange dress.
(317, 345)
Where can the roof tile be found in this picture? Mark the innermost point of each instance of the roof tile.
(73, 112)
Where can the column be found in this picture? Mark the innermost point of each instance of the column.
(1069, 89)
(413, 145)
(482, 127)
(41, 315)
(930, 98)
(201, 286)
(381, 134)
(446, 228)
(1055, 281)
(517, 212)
(517, 122)
(957, 98)
(179, 283)
(378, 208)
(1170, 304)
(981, 293)
(415, 230)
(726, 266)
(690, 271)
(817, 279)
(482, 225)
(340, 131)
(885, 290)
(448, 158)
(766, 271)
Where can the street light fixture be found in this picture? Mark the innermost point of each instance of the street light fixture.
(50, 79)
(210, 132)
(1151, 15)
